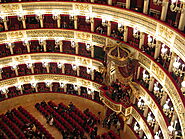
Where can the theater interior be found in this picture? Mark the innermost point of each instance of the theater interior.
(92, 69)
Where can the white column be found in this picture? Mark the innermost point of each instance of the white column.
(125, 33)
(138, 72)
(61, 48)
(40, 18)
(142, 39)
(24, 23)
(28, 47)
(157, 49)
(47, 68)
(174, 117)
(109, 28)
(32, 69)
(172, 60)
(92, 75)
(11, 50)
(78, 71)
(5, 23)
(109, 2)
(156, 127)
(0, 73)
(58, 21)
(145, 112)
(50, 88)
(128, 4)
(16, 72)
(163, 99)
(92, 51)
(63, 69)
(36, 89)
(151, 84)
(65, 88)
(145, 7)
(21, 89)
(164, 10)
(92, 1)
(92, 24)
(182, 20)
(75, 22)
(76, 49)
(79, 90)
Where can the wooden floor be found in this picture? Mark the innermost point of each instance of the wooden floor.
(28, 102)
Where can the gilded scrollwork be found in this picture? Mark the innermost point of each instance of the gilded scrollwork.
(144, 60)
(158, 72)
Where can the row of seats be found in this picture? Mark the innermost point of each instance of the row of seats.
(56, 87)
(54, 68)
(51, 46)
(65, 117)
(109, 135)
(13, 124)
(154, 10)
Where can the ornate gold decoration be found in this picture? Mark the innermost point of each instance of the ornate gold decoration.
(22, 58)
(8, 82)
(82, 7)
(25, 79)
(8, 8)
(144, 60)
(15, 35)
(99, 39)
(84, 61)
(83, 36)
(158, 72)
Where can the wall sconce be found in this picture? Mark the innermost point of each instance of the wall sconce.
(146, 77)
(137, 127)
(157, 135)
(73, 44)
(4, 18)
(56, 15)
(88, 19)
(48, 83)
(75, 87)
(59, 65)
(42, 41)
(176, 67)
(26, 42)
(88, 71)
(164, 54)
(14, 67)
(45, 64)
(34, 84)
(29, 65)
(174, 6)
(10, 45)
(150, 119)
(151, 42)
(39, 15)
(88, 47)
(104, 22)
(4, 90)
(157, 91)
(71, 17)
(168, 111)
(183, 86)
(74, 67)
(136, 33)
(141, 104)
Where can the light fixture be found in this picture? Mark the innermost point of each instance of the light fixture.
(10, 45)
(88, 47)
(151, 42)
(136, 127)
(48, 83)
(89, 91)
(62, 85)
(176, 67)
(42, 41)
(136, 33)
(29, 65)
(150, 119)
(71, 17)
(146, 77)
(88, 70)
(157, 91)
(157, 135)
(73, 44)
(74, 67)
(174, 6)
(56, 15)
(39, 14)
(26, 42)
(59, 65)
(183, 86)
(88, 19)
(75, 87)
(104, 22)
(141, 104)
(45, 64)
(4, 17)
(164, 53)
(120, 27)
(4, 90)
(168, 111)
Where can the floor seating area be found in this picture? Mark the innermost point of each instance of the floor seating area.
(67, 118)
(19, 123)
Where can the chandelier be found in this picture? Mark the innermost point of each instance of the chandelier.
(168, 111)
(151, 43)
(164, 53)
(136, 33)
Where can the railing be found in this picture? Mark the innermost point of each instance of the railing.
(153, 27)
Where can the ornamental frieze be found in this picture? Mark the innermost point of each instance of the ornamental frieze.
(83, 36)
(8, 8)
(144, 60)
(158, 72)
(99, 39)
(8, 82)
(112, 105)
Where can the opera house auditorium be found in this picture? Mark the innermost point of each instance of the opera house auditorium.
(92, 69)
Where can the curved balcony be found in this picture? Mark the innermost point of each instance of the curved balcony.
(163, 32)
(127, 110)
